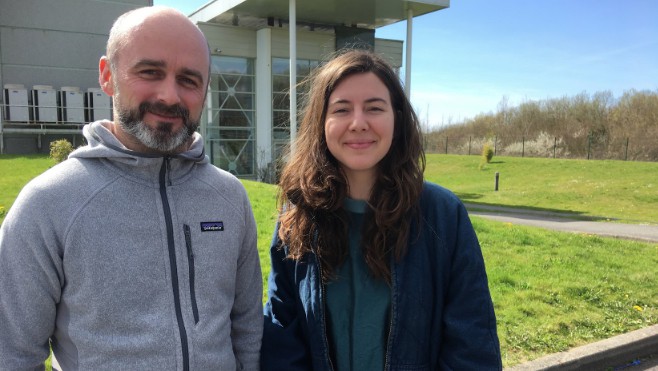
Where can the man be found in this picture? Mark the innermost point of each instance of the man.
(135, 253)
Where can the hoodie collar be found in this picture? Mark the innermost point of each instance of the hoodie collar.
(102, 144)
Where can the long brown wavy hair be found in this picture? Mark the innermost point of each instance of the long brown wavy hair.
(313, 185)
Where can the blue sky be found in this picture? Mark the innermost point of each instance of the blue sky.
(471, 56)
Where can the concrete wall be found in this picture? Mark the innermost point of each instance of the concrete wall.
(56, 43)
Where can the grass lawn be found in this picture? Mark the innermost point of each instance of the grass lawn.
(552, 290)
(627, 191)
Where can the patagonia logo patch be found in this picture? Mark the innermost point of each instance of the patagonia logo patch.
(212, 226)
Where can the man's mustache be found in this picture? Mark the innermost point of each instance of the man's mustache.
(158, 108)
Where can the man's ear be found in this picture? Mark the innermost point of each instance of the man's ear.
(105, 76)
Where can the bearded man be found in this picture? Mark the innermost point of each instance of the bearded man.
(135, 253)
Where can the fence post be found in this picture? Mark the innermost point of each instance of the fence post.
(626, 150)
(469, 145)
(446, 145)
(522, 146)
(495, 145)
(554, 145)
(589, 145)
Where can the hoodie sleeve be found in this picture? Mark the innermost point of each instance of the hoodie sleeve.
(31, 278)
(246, 315)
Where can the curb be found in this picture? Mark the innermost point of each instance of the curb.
(614, 353)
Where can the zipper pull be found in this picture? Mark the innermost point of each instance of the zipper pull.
(188, 241)
(168, 164)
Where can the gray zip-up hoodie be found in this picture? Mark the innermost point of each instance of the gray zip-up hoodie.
(129, 261)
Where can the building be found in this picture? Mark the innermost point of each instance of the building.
(252, 95)
(53, 46)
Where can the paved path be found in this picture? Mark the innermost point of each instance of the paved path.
(565, 222)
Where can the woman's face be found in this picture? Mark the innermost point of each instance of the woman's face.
(359, 125)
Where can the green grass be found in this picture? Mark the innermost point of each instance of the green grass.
(627, 191)
(16, 171)
(263, 203)
(551, 290)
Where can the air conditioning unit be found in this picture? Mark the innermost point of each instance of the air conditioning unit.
(44, 101)
(17, 103)
(72, 105)
(99, 105)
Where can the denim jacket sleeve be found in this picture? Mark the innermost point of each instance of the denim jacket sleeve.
(284, 344)
(444, 317)
(470, 340)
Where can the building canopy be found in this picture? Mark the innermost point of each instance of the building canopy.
(368, 14)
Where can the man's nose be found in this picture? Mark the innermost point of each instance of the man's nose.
(168, 91)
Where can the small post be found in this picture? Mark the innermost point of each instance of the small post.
(496, 186)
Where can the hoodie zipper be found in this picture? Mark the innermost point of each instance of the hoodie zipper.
(164, 176)
(190, 262)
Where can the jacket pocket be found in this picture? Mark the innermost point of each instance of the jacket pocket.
(190, 263)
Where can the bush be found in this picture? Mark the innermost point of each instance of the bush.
(487, 152)
(60, 150)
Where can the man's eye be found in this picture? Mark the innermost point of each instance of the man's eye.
(149, 72)
(188, 81)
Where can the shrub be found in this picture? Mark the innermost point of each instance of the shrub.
(60, 150)
(487, 152)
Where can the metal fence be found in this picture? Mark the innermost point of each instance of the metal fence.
(589, 147)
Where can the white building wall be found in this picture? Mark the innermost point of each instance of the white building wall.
(391, 50)
(56, 43)
(310, 45)
(230, 41)
(264, 98)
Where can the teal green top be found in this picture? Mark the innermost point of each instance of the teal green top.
(358, 305)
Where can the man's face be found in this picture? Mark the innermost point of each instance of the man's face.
(158, 81)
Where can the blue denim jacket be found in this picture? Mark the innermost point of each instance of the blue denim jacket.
(442, 317)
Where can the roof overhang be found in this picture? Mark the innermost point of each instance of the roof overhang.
(369, 14)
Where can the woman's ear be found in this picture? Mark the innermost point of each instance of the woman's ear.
(105, 76)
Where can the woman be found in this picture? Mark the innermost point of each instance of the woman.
(372, 268)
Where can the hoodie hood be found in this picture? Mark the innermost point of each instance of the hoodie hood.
(102, 144)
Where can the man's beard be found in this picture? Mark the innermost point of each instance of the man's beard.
(160, 138)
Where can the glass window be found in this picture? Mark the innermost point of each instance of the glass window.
(281, 97)
(231, 105)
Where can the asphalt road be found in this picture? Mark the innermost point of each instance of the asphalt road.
(565, 222)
